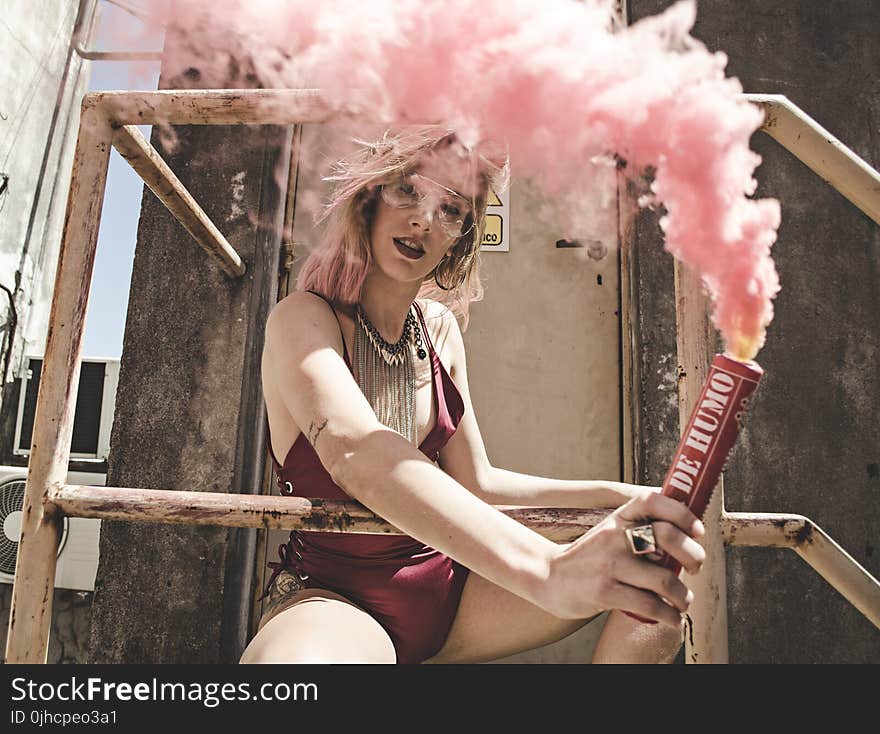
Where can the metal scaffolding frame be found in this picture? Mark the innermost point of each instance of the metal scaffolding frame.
(109, 119)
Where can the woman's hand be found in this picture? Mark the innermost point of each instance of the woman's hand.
(599, 571)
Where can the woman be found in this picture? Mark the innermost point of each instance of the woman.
(365, 346)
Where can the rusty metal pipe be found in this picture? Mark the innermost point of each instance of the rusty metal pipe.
(810, 542)
(817, 148)
(31, 611)
(216, 107)
(156, 174)
(279, 513)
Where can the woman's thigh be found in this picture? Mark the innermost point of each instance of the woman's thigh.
(492, 623)
(319, 626)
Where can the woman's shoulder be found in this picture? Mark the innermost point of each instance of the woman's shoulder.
(302, 313)
(438, 316)
(301, 303)
(297, 299)
(435, 310)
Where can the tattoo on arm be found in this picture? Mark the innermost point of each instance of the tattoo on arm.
(315, 431)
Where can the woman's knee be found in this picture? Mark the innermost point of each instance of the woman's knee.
(321, 630)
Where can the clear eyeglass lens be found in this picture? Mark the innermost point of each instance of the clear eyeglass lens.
(452, 214)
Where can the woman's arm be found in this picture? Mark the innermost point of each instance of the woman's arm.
(382, 470)
(503, 487)
(385, 472)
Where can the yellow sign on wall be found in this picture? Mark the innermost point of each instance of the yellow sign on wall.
(496, 237)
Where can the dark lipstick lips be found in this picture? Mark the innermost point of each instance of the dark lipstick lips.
(407, 251)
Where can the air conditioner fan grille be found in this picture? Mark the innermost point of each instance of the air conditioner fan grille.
(11, 502)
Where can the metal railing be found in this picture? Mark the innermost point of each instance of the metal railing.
(830, 159)
(106, 121)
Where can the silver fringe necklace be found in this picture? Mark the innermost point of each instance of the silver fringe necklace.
(386, 373)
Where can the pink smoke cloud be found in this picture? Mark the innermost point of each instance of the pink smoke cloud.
(554, 80)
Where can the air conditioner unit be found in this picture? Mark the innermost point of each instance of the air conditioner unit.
(93, 416)
(77, 562)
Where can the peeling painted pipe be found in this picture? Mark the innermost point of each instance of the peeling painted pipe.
(31, 609)
(156, 174)
(217, 107)
(818, 149)
(117, 55)
(280, 513)
(810, 542)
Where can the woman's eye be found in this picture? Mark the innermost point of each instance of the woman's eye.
(451, 210)
(407, 189)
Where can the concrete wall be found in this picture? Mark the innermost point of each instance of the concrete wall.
(811, 443)
(41, 83)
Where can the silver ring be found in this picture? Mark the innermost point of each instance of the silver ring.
(641, 540)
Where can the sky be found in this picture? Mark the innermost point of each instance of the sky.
(108, 299)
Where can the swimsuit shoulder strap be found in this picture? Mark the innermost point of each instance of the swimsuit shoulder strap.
(450, 406)
(341, 334)
(424, 327)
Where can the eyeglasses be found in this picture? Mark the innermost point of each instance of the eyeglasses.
(452, 210)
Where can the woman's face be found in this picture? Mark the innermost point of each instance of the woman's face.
(409, 239)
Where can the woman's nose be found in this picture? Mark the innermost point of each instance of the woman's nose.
(423, 215)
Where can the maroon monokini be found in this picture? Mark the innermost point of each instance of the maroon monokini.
(411, 589)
